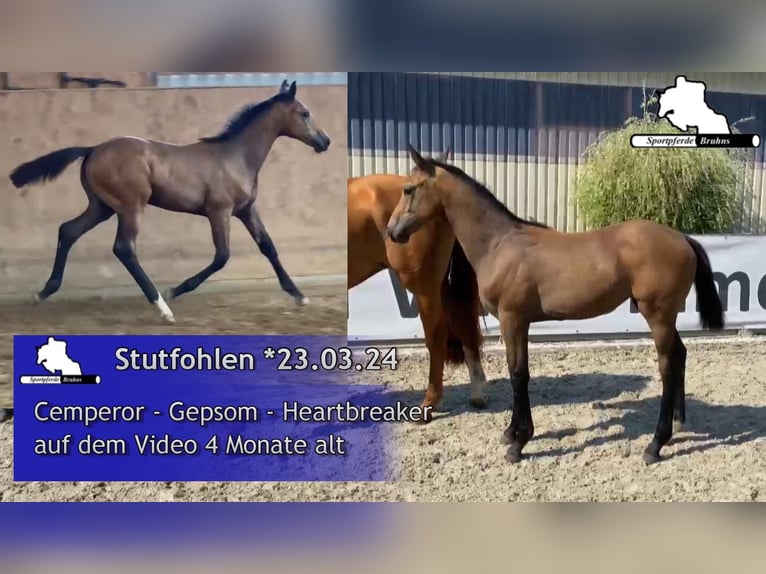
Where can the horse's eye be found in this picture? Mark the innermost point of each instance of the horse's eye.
(409, 189)
(305, 113)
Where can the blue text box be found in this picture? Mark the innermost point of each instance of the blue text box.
(195, 408)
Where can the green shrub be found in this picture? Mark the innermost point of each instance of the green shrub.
(693, 190)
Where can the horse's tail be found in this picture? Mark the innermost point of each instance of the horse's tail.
(460, 298)
(48, 166)
(710, 307)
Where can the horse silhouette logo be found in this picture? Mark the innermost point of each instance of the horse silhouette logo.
(684, 105)
(54, 357)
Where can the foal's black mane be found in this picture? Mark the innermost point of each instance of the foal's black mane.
(487, 194)
(244, 118)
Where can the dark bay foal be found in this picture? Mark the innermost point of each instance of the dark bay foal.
(216, 177)
(528, 272)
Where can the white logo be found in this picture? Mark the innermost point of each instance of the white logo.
(54, 357)
(685, 106)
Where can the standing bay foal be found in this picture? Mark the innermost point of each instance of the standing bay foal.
(528, 273)
(216, 177)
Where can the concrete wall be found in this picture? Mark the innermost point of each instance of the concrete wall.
(302, 195)
(50, 80)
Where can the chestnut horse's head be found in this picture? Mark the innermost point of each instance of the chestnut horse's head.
(297, 121)
(419, 202)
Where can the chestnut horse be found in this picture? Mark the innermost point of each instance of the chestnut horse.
(216, 177)
(528, 273)
(431, 266)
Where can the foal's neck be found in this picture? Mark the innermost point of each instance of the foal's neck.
(478, 225)
(252, 146)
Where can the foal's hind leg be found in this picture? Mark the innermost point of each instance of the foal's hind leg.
(219, 225)
(125, 250)
(69, 232)
(668, 354)
(679, 366)
(257, 230)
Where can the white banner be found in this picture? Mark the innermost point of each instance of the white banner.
(380, 309)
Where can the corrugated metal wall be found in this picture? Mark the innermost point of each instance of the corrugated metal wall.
(736, 82)
(522, 138)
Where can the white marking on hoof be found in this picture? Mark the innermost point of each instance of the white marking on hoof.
(36, 299)
(165, 311)
(678, 426)
(302, 301)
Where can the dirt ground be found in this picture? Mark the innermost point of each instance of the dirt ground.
(595, 409)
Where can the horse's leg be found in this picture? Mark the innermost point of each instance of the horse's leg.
(125, 250)
(69, 232)
(669, 356)
(679, 365)
(219, 226)
(435, 330)
(257, 230)
(521, 429)
(462, 313)
(477, 377)
(459, 323)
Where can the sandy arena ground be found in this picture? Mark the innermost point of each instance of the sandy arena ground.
(595, 409)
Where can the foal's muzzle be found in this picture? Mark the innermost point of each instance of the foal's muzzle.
(321, 142)
(397, 233)
(400, 229)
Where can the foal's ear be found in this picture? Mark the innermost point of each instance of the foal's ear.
(291, 91)
(284, 87)
(422, 163)
(444, 156)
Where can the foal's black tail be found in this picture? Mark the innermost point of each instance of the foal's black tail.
(48, 166)
(710, 307)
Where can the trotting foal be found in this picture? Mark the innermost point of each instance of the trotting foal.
(528, 272)
(216, 177)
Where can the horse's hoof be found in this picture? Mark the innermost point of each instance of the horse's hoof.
(165, 312)
(513, 455)
(506, 437)
(169, 294)
(426, 417)
(479, 403)
(302, 301)
(35, 298)
(651, 458)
